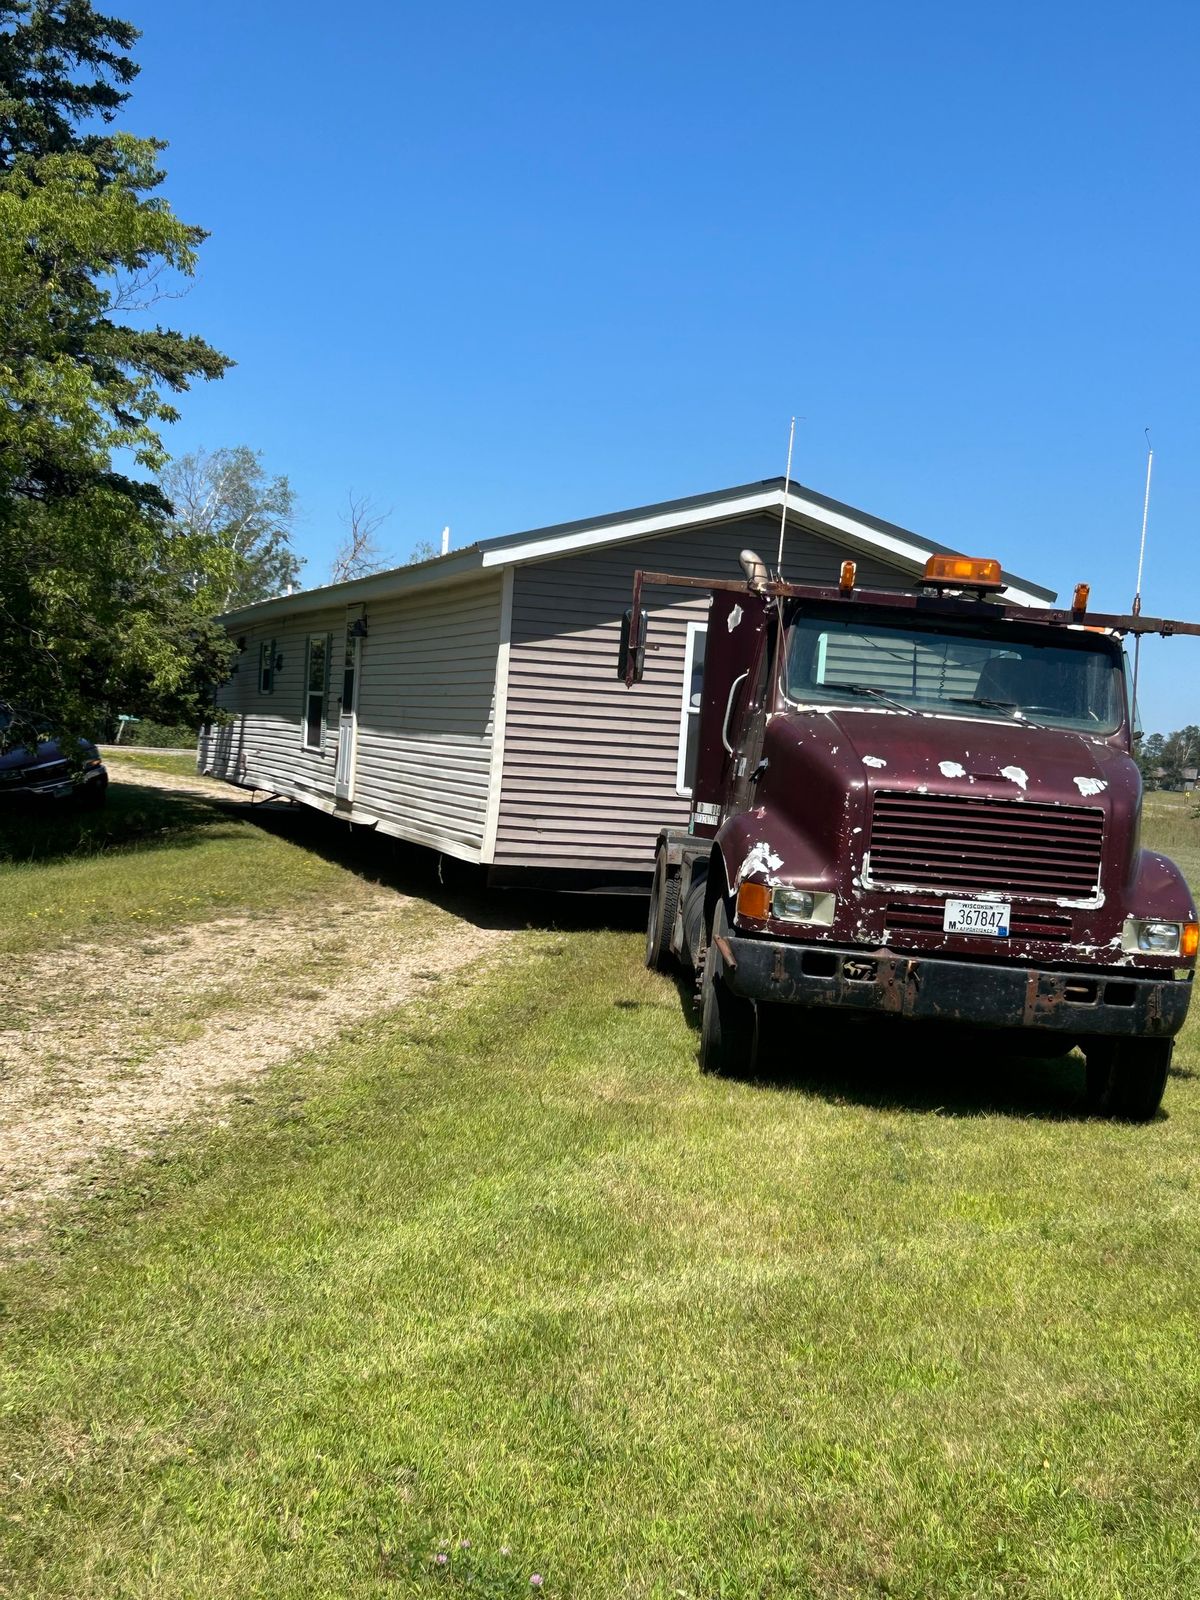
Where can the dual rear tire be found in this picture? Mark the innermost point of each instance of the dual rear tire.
(664, 906)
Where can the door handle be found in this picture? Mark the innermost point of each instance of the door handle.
(729, 708)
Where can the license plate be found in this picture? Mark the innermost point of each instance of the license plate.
(986, 917)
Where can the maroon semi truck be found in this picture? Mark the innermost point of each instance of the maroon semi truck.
(922, 806)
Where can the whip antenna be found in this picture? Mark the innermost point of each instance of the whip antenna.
(787, 483)
(1137, 598)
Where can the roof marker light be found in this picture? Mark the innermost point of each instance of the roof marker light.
(963, 572)
(1079, 600)
(847, 576)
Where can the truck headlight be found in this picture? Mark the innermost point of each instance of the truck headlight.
(1157, 938)
(792, 905)
(802, 905)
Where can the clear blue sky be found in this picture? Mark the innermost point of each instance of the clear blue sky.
(503, 266)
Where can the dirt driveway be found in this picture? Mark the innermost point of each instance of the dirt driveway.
(108, 1044)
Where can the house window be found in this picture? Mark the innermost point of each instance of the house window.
(316, 684)
(266, 666)
(689, 719)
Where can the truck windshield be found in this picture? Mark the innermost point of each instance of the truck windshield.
(930, 667)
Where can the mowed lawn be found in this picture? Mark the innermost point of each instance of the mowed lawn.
(505, 1269)
(150, 858)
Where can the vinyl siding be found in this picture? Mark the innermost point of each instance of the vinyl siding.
(261, 745)
(425, 712)
(589, 770)
(426, 694)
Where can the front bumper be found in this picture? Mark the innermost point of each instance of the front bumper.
(31, 787)
(934, 988)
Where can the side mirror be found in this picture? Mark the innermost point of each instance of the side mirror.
(631, 657)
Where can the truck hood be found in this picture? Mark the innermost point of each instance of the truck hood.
(813, 799)
(1002, 760)
(21, 756)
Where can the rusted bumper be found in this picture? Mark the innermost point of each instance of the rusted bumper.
(934, 988)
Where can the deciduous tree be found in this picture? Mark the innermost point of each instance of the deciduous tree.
(89, 609)
(231, 527)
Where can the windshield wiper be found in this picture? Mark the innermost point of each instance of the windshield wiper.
(992, 705)
(867, 691)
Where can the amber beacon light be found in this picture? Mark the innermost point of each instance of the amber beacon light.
(963, 572)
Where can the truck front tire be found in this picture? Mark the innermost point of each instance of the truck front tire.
(1126, 1077)
(728, 1023)
(664, 904)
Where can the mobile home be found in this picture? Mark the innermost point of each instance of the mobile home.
(471, 703)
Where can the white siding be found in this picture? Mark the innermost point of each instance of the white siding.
(425, 706)
(261, 747)
(425, 709)
(590, 766)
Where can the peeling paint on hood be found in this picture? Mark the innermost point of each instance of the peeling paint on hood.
(761, 859)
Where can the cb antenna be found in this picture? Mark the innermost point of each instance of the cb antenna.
(1137, 597)
(787, 483)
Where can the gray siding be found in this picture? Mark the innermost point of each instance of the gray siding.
(425, 709)
(589, 769)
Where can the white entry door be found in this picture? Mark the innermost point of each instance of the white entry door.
(343, 778)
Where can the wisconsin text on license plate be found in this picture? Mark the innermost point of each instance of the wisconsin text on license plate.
(987, 917)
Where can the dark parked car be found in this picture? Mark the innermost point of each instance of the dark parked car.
(42, 769)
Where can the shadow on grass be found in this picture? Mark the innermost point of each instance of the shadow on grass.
(133, 818)
(455, 886)
(905, 1066)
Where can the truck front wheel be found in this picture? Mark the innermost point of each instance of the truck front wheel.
(1126, 1077)
(728, 1023)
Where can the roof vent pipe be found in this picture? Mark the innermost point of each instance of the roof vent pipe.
(446, 539)
(755, 569)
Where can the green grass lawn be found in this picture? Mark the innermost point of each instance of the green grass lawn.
(150, 858)
(508, 1270)
(153, 760)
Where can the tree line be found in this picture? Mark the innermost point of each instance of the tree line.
(114, 559)
(1169, 760)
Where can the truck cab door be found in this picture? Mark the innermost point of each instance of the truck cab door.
(737, 626)
(748, 723)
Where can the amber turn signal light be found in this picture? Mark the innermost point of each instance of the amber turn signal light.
(1189, 939)
(846, 579)
(967, 572)
(754, 900)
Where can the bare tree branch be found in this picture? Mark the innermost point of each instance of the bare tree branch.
(359, 553)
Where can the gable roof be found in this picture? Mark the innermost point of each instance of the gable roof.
(855, 529)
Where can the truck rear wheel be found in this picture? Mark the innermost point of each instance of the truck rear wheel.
(664, 904)
(1126, 1077)
(728, 1023)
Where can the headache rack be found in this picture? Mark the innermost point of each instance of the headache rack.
(633, 642)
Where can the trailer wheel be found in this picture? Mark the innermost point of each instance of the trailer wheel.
(728, 1023)
(1126, 1077)
(664, 904)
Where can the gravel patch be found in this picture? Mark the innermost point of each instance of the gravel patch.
(108, 1044)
